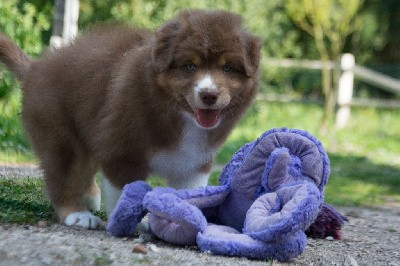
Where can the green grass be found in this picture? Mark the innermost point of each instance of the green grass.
(23, 201)
(365, 156)
(13, 144)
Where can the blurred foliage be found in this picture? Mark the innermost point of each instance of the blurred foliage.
(329, 22)
(24, 23)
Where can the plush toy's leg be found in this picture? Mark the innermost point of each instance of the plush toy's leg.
(173, 219)
(223, 240)
(129, 210)
(176, 215)
(328, 223)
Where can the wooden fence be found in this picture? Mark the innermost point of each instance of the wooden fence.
(349, 72)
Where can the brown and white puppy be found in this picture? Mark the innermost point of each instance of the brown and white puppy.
(133, 103)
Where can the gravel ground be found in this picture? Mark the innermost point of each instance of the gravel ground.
(371, 237)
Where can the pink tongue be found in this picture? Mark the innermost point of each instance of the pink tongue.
(207, 117)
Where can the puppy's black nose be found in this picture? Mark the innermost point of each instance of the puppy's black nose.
(209, 98)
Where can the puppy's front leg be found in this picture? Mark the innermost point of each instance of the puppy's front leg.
(118, 173)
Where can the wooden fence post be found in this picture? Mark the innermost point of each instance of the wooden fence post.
(65, 22)
(56, 39)
(345, 90)
(70, 20)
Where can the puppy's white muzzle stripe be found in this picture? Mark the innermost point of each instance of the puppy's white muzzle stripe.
(206, 84)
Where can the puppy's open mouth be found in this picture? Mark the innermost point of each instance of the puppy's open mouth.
(207, 117)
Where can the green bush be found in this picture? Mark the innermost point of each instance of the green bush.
(24, 24)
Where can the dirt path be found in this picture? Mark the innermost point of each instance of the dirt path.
(371, 237)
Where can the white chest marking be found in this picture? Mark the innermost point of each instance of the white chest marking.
(181, 164)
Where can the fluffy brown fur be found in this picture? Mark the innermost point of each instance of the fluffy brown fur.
(116, 96)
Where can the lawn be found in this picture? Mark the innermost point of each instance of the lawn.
(365, 156)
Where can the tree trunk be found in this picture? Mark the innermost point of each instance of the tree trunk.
(329, 96)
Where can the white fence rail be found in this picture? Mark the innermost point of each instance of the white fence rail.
(350, 72)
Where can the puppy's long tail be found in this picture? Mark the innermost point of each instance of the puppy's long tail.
(13, 57)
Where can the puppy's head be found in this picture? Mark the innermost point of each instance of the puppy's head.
(208, 64)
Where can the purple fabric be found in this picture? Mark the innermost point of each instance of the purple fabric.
(222, 240)
(175, 215)
(282, 213)
(270, 193)
(173, 219)
(129, 210)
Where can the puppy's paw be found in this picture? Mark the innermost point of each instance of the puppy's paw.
(84, 220)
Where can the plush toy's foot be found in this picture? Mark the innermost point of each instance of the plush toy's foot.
(173, 219)
(223, 240)
(176, 215)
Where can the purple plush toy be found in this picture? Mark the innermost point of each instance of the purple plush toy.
(270, 193)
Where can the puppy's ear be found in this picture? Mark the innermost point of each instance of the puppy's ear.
(253, 50)
(165, 44)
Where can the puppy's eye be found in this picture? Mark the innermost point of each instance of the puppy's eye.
(191, 67)
(227, 68)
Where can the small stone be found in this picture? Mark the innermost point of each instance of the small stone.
(139, 248)
(329, 238)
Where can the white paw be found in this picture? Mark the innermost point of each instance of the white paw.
(84, 220)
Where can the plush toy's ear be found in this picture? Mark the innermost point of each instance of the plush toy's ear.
(277, 215)
(235, 163)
